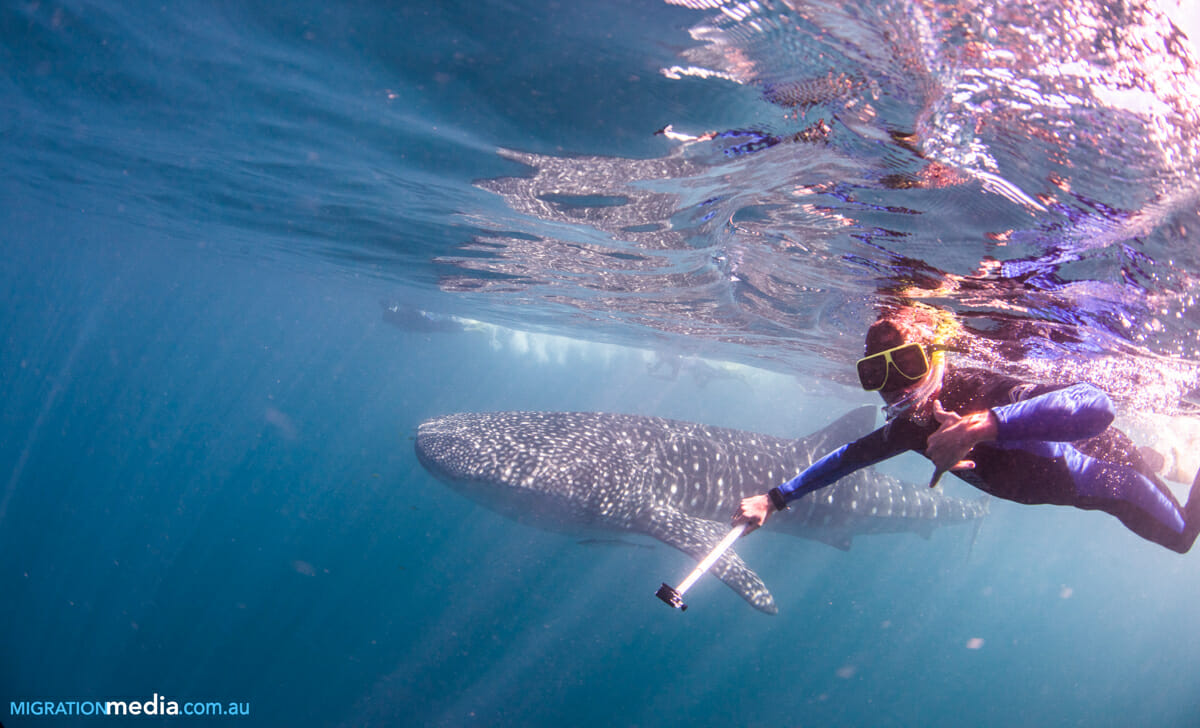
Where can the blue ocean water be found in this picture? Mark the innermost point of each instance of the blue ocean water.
(209, 490)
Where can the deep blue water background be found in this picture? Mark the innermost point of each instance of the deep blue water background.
(207, 484)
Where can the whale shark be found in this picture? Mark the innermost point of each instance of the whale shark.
(678, 482)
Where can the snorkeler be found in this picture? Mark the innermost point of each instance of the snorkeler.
(1033, 444)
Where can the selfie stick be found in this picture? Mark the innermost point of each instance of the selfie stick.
(674, 597)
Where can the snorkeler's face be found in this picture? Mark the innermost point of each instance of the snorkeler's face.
(893, 396)
(916, 400)
(903, 366)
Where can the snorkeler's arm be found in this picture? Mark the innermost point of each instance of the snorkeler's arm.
(1065, 415)
(826, 471)
(875, 447)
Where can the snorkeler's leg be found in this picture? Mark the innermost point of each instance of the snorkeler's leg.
(1192, 510)
(1145, 507)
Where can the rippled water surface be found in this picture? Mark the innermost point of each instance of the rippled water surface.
(248, 248)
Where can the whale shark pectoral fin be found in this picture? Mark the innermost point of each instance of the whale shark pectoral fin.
(696, 537)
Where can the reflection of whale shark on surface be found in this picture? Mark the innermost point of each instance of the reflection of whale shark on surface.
(418, 320)
(676, 481)
(670, 366)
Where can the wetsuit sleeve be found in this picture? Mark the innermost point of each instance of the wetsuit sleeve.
(875, 447)
(1065, 415)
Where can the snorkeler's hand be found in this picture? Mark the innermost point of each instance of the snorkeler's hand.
(954, 439)
(753, 511)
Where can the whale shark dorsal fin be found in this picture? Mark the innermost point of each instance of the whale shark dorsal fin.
(847, 428)
(696, 537)
(854, 424)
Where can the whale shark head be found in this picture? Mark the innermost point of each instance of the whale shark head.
(504, 449)
(525, 465)
(450, 448)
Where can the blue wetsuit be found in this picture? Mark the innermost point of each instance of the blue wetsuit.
(1054, 445)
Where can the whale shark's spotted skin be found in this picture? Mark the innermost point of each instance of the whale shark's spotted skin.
(676, 481)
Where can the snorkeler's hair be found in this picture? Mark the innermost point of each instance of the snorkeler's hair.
(901, 325)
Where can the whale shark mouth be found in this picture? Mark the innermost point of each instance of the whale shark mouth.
(440, 451)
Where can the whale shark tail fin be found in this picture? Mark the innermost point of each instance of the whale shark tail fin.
(978, 526)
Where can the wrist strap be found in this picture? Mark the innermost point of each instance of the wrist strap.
(777, 500)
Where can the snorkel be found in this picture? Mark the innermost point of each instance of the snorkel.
(918, 396)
